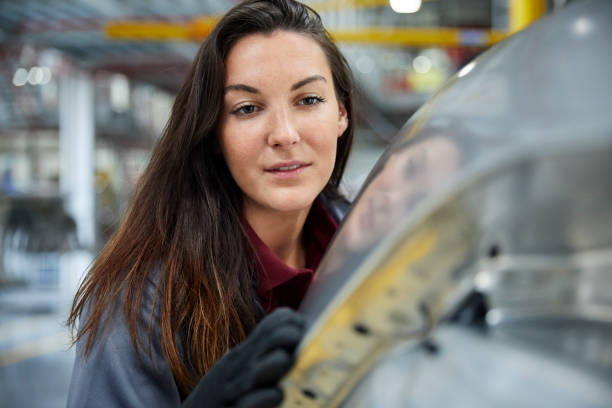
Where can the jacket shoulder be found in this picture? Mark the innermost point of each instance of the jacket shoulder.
(115, 374)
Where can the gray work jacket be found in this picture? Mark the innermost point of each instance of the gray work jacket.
(114, 375)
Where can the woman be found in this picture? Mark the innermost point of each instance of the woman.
(229, 221)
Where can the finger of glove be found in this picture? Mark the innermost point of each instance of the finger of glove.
(232, 362)
(283, 338)
(283, 328)
(265, 372)
(280, 317)
(260, 338)
(235, 363)
(272, 368)
(264, 398)
(209, 391)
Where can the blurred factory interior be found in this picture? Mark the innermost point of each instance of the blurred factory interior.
(85, 89)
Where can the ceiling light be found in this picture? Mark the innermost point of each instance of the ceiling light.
(365, 64)
(46, 75)
(421, 64)
(405, 6)
(35, 75)
(119, 93)
(21, 77)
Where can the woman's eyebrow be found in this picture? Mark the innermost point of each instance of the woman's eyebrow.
(306, 81)
(250, 89)
(240, 87)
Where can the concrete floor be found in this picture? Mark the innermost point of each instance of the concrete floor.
(35, 358)
(40, 381)
(35, 354)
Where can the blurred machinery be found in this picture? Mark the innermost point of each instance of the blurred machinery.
(475, 268)
(34, 232)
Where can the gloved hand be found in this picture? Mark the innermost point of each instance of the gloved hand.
(247, 375)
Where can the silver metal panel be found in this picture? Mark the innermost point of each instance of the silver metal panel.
(498, 187)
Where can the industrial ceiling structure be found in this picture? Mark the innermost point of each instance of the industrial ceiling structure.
(155, 41)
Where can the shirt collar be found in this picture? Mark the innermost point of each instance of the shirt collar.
(319, 230)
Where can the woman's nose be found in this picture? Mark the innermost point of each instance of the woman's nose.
(283, 131)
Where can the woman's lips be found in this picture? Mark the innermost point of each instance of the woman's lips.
(287, 170)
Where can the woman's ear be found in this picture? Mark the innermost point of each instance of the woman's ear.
(342, 118)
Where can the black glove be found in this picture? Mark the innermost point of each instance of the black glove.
(247, 376)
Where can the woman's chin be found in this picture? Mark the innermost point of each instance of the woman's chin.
(291, 202)
(288, 206)
(283, 200)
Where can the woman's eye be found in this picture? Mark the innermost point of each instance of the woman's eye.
(245, 110)
(311, 100)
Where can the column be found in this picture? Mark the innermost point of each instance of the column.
(76, 132)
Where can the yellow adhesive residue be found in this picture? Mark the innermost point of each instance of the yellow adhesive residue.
(400, 299)
(337, 336)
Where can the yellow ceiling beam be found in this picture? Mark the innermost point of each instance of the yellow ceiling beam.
(195, 30)
(419, 37)
(522, 13)
(198, 29)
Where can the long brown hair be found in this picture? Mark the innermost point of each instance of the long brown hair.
(185, 216)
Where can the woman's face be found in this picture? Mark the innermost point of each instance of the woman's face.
(280, 121)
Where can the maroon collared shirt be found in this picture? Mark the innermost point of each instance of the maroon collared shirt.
(281, 285)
